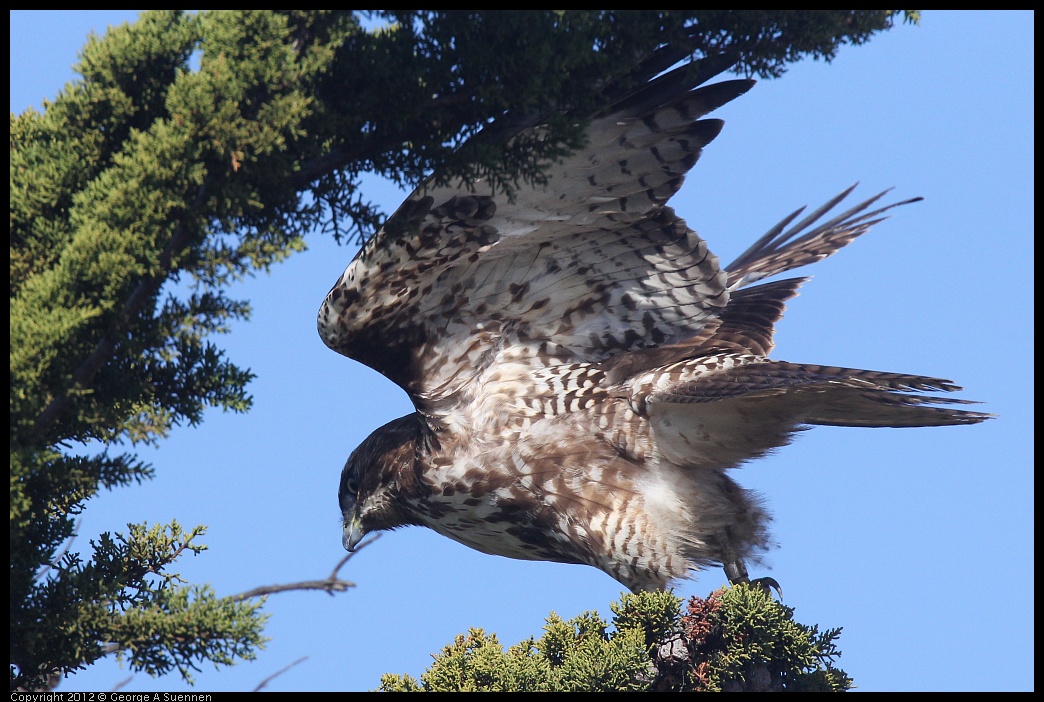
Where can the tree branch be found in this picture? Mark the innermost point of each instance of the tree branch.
(121, 684)
(331, 584)
(278, 673)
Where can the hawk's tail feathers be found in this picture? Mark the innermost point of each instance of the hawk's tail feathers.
(782, 249)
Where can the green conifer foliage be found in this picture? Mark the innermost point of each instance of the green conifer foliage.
(738, 639)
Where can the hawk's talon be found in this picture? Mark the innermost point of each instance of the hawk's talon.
(768, 585)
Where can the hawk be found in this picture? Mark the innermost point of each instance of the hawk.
(584, 371)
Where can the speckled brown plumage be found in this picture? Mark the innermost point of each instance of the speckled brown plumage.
(584, 370)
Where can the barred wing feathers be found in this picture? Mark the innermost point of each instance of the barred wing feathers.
(589, 265)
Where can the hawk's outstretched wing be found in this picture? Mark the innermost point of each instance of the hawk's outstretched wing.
(579, 269)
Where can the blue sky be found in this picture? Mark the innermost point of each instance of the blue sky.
(918, 542)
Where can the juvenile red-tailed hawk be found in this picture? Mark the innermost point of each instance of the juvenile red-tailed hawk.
(584, 370)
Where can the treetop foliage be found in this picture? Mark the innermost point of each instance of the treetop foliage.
(197, 149)
(737, 639)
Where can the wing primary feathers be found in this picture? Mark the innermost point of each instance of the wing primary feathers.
(656, 91)
(778, 251)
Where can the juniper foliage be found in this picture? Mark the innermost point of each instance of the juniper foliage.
(738, 639)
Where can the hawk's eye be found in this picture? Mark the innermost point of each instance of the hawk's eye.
(352, 486)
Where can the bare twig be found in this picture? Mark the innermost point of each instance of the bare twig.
(363, 544)
(277, 673)
(121, 684)
(331, 584)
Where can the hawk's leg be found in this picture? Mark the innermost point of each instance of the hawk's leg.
(736, 571)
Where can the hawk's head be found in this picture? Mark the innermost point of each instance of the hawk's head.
(378, 479)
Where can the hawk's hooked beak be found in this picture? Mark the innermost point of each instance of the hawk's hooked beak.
(352, 534)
